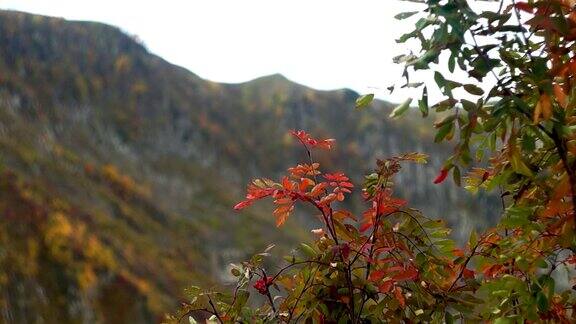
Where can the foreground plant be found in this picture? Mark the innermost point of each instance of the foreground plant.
(389, 262)
(392, 264)
(515, 137)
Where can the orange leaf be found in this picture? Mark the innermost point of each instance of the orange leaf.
(492, 271)
(318, 189)
(328, 199)
(400, 297)
(281, 219)
(458, 252)
(305, 183)
(287, 184)
(537, 113)
(560, 96)
(546, 104)
(562, 188)
(556, 207)
(345, 299)
(284, 209)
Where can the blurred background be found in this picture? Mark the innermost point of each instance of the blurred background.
(128, 130)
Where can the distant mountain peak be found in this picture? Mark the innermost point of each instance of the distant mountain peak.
(277, 78)
(272, 77)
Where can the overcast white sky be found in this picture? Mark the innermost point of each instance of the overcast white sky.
(325, 44)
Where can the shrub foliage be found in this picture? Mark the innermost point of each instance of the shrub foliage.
(391, 263)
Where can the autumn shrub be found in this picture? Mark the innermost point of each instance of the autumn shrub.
(507, 77)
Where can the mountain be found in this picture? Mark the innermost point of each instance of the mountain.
(118, 170)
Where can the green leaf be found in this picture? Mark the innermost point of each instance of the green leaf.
(404, 58)
(452, 63)
(440, 80)
(483, 66)
(406, 37)
(542, 302)
(445, 104)
(257, 259)
(308, 250)
(548, 282)
(519, 166)
(423, 61)
(503, 320)
(456, 176)
(235, 272)
(473, 238)
(401, 109)
(473, 89)
(241, 298)
(364, 101)
(443, 132)
(404, 15)
(445, 120)
(423, 103)
(448, 318)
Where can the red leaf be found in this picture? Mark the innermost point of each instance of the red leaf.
(337, 177)
(287, 184)
(485, 176)
(305, 183)
(306, 139)
(524, 6)
(326, 144)
(377, 275)
(400, 297)
(441, 177)
(262, 285)
(386, 287)
(242, 204)
(365, 226)
(408, 274)
(345, 250)
(467, 273)
(346, 184)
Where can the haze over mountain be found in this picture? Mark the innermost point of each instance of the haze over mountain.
(119, 170)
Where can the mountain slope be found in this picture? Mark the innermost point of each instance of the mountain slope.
(123, 169)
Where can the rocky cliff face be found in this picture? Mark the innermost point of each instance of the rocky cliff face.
(131, 166)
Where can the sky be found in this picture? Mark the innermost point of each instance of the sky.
(324, 44)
